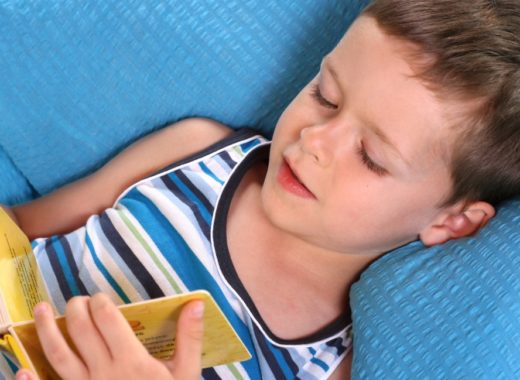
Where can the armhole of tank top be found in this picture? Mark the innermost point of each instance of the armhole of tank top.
(236, 136)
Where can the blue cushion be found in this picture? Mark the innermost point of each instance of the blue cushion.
(15, 188)
(80, 80)
(447, 312)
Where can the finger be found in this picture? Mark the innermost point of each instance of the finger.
(54, 345)
(115, 329)
(186, 361)
(85, 335)
(25, 374)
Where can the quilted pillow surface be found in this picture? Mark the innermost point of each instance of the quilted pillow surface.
(447, 312)
(82, 80)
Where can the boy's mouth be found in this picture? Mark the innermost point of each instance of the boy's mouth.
(289, 180)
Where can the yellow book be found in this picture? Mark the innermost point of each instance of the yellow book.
(153, 321)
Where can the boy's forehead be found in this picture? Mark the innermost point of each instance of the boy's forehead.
(364, 36)
(378, 82)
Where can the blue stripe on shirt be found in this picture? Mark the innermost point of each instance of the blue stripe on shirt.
(188, 267)
(57, 268)
(105, 272)
(207, 170)
(69, 255)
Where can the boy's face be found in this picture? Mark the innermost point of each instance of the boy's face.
(368, 143)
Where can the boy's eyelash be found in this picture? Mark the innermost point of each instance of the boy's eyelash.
(371, 165)
(367, 161)
(316, 94)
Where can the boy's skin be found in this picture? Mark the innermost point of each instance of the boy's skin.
(360, 196)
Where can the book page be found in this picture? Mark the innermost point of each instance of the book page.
(154, 324)
(21, 285)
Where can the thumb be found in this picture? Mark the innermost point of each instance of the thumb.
(25, 374)
(186, 360)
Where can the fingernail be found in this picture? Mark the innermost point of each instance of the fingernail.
(197, 311)
(40, 309)
(22, 376)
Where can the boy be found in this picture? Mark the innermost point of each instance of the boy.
(410, 130)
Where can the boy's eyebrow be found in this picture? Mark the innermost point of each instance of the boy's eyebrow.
(386, 140)
(326, 64)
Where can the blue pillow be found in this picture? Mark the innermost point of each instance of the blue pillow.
(447, 312)
(82, 79)
(15, 188)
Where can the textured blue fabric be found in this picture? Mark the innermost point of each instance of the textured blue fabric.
(14, 187)
(81, 79)
(448, 312)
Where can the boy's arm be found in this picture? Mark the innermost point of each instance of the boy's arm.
(68, 208)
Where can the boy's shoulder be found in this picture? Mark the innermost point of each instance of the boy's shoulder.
(198, 133)
(194, 138)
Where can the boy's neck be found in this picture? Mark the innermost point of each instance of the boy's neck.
(290, 267)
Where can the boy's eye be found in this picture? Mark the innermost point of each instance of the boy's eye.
(316, 94)
(367, 161)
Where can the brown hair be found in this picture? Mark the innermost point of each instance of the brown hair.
(473, 48)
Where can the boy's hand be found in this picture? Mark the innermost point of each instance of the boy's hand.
(107, 346)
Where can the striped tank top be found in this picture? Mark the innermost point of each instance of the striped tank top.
(166, 235)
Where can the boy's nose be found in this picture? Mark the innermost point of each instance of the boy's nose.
(318, 142)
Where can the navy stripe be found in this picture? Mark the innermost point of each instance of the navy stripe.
(72, 263)
(268, 355)
(58, 270)
(227, 159)
(210, 374)
(195, 190)
(290, 362)
(131, 260)
(203, 225)
(338, 345)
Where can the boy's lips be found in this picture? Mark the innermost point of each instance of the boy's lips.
(289, 180)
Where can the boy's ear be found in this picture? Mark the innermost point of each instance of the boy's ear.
(456, 222)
